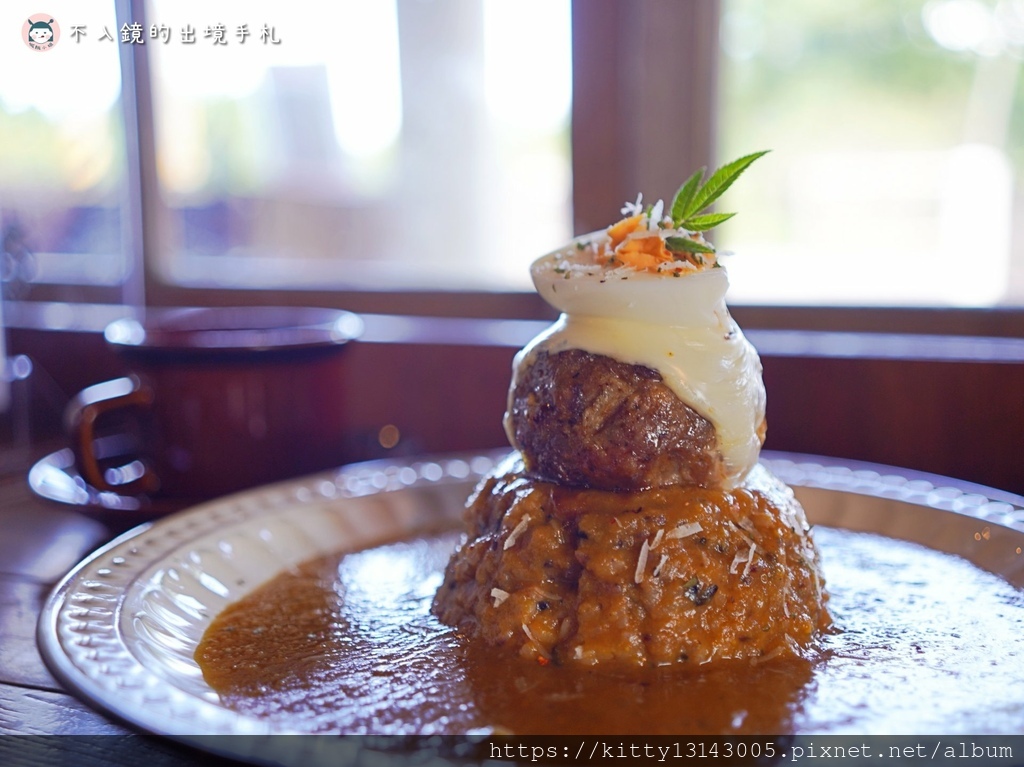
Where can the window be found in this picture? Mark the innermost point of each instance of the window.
(363, 146)
(423, 148)
(62, 170)
(896, 129)
(360, 145)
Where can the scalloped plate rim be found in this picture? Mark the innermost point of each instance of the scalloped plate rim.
(929, 491)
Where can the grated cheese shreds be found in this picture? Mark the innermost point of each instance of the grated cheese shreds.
(657, 539)
(633, 208)
(661, 564)
(684, 531)
(793, 646)
(736, 561)
(511, 540)
(764, 658)
(750, 559)
(564, 629)
(499, 596)
(529, 634)
(817, 581)
(641, 562)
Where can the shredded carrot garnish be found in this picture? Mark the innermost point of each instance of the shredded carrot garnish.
(644, 252)
(626, 226)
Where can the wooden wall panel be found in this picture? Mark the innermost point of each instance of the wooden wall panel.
(960, 419)
(964, 420)
(441, 398)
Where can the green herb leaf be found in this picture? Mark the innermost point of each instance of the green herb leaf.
(705, 222)
(684, 197)
(686, 245)
(721, 180)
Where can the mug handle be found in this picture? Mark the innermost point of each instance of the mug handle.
(82, 414)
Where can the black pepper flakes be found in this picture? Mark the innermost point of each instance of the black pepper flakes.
(698, 595)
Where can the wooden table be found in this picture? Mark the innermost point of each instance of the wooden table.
(39, 542)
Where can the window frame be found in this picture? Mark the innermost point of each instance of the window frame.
(611, 159)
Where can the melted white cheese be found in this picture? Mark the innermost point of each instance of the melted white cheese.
(677, 325)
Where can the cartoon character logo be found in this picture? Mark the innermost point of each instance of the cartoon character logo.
(40, 32)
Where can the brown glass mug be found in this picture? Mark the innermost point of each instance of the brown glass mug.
(217, 400)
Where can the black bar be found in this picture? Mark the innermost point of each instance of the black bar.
(395, 751)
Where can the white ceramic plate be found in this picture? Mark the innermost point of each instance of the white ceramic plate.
(121, 629)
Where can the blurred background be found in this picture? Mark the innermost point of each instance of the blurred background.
(408, 159)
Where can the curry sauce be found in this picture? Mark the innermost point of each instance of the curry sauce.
(925, 642)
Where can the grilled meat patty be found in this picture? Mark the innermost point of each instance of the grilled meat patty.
(586, 420)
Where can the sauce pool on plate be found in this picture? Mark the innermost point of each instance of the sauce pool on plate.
(925, 642)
